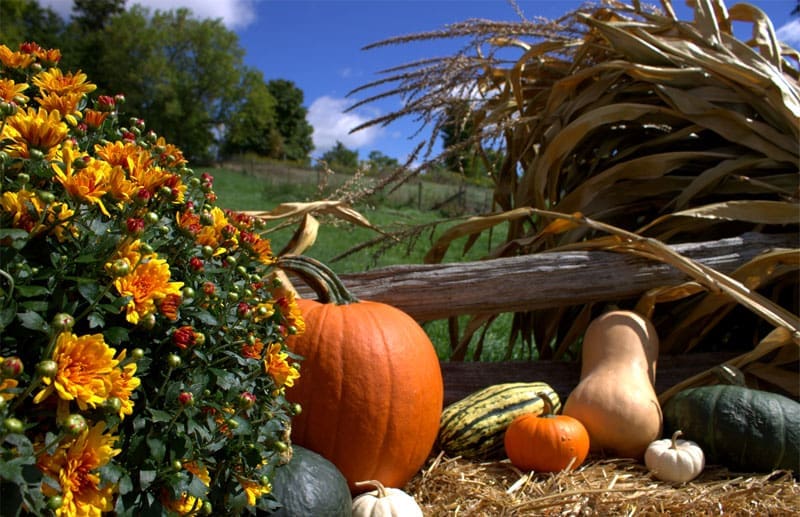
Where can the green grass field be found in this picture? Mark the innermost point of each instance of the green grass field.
(241, 191)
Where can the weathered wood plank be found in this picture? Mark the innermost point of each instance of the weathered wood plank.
(542, 280)
(462, 378)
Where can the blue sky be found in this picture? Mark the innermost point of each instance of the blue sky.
(318, 45)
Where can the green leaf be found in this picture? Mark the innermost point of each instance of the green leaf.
(146, 478)
(89, 290)
(206, 318)
(33, 321)
(96, 320)
(31, 290)
(12, 470)
(19, 238)
(115, 335)
(157, 448)
(159, 415)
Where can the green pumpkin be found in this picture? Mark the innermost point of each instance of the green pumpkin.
(310, 485)
(741, 428)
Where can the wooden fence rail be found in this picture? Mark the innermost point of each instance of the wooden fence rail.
(542, 280)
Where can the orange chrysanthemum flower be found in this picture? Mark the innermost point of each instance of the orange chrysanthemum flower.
(12, 92)
(74, 466)
(171, 156)
(50, 56)
(94, 118)
(277, 366)
(254, 350)
(85, 365)
(117, 154)
(12, 59)
(89, 183)
(169, 306)
(34, 129)
(146, 283)
(57, 82)
(119, 186)
(66, 104)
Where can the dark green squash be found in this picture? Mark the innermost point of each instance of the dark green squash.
(741, 428)
(310, 485)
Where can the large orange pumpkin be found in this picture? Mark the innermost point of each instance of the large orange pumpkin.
(370, 385)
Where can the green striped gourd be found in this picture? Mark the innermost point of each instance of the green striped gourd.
(474, 426)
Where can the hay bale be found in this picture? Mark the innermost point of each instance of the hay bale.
(459, 487)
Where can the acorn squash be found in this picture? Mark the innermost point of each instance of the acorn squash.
(742, 428)
(310, 485)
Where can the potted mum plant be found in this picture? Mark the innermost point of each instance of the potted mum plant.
(142, 332)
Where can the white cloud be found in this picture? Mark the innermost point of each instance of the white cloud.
(235, 14)
(331, 124)
(790, 32)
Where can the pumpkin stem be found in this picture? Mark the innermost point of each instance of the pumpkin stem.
(548, 403)
(374, 483)
(675, 436)
(319, 277)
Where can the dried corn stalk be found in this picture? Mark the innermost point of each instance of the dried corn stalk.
(675, 130)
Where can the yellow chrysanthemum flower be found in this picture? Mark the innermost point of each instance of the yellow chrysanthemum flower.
(211, 235)
(119, 186)
(85, 365)
(277, 366)
(117, 154)
(26, 209)
(12, 59)
(12, 92)
(254, 490)
(34, 129)
(188, 504)
(146, 283)
(66, 104)
(89, 183)
(56, 81)
(123, 382)
(74, 466)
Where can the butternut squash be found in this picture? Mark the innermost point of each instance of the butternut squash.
(615, 399)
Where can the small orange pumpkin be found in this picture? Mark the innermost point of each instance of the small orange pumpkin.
(370, 385)
(546, 442)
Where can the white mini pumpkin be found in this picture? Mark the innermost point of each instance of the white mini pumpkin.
(675, 460)
(384, 502)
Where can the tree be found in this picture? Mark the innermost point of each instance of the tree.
(340, 157)
(379, 162)
(252, 126)
(26, 20)
(180, 74)
(291, 120)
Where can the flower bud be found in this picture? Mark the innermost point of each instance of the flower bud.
(55, 502)
(23, 177)
(119, 267)
(247, 400)
(47, 368)
(174, 360)
(188, 292)
(148, 321)
(45, 196)
(151, 218)
(74, 424)
(137, 354)
(63, 321)
(36, 154)
(11, 367)
(14, 425)
(113, 405)
(185, 398)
